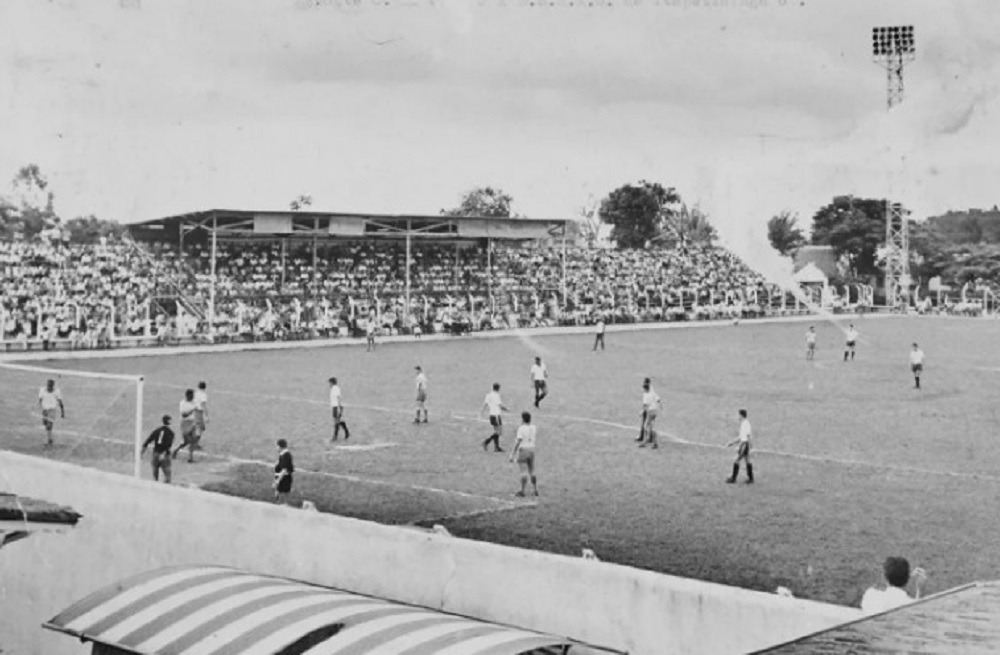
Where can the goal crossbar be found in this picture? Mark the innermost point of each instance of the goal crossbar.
(71, 373)
(138, 380)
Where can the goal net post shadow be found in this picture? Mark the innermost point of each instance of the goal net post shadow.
(99, 406)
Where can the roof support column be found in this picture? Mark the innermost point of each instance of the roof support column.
(211, 288)
(284, 247)
(315, 279)
(406, 299)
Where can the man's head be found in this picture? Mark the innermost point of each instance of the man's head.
(538, 360)
(418, 369)
(743, 413)
(189, 394)
(812, 328)
(166, 419)
(526, 417)
(496, 386)
(332, 381)
(50, 384)
(282, 444)
(897, 571)
(646, 384)
(915, 346)
(202, 386)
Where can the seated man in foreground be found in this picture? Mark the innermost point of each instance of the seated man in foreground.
(897, 576)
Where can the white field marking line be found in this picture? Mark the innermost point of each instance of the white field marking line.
(809, 458)
(308, 401)
(200, 349)
(513, 505)
(339, 476)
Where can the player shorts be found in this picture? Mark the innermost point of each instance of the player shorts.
(421, 396)
(540, 385)
(650, 415)
(190, 433)
(338, 413)
(526, 456)
(744, 450)
(199, 420)
(850, 344)
(495, 421)
(49, 416)
(917, 368)
(811, 346)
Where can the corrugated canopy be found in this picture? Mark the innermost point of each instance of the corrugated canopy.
(209, 610)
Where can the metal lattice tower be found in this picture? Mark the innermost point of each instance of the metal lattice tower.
(893, 48)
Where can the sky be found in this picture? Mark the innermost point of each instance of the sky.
(140, 109)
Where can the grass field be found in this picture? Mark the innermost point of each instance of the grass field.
(852, 463)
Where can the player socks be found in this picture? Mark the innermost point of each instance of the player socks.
(749, 472)
(736, 471)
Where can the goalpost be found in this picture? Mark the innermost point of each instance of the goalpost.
(97, 410)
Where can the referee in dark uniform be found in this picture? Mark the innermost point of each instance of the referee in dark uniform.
(162, 439)
(283, 471)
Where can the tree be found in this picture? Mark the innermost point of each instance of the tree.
(785, 234)
(930, 252)
(482, 201)
(90, 229)
(689, 225)
(637, 213)
(300, 203)
(855, 228)
(30, 209)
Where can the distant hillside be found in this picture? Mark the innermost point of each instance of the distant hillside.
(968, 227)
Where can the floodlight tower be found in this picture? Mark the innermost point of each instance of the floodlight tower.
(893, 48)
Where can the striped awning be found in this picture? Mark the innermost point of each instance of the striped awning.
(208, 610)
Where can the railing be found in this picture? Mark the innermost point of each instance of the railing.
(175, 290)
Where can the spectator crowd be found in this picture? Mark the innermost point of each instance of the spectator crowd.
(91, 295)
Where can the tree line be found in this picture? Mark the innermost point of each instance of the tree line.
(958, 246)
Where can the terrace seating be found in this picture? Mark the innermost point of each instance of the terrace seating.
(78, 295)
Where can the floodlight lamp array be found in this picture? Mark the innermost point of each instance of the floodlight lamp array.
(896, 40)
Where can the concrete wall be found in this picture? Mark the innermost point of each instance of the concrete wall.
(131, 526)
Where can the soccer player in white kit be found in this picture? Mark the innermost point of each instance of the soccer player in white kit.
(599, 335)
(200, 410)
(524, 452)
(916, 364)
(421, 382)
(743, 452)
(811, 343)
(49, 400)
(495, 406)
(650, 407)
(337, 411)
(539, 380)
(852, 340)
(189, 426)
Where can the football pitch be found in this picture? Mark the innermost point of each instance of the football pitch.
(852, 463)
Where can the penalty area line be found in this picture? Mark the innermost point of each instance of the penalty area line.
(504, 504)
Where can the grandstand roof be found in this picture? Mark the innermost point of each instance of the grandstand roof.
(242, 224)
(962, 620)
(184, 610)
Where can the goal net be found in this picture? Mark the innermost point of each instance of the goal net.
(102, 426)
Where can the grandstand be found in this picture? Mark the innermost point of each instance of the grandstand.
(223, 275)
